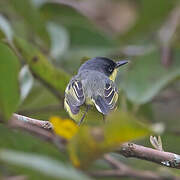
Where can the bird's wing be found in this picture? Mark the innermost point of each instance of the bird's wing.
(74, 95)
(106, 102)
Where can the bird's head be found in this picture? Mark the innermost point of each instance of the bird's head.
(103, 65)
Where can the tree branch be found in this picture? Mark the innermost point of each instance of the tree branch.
(160, 157)
(39, 128)
(35, 126)
(122, 170)
(36, 122)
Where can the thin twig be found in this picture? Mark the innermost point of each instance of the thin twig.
(114, 162)
(166, 34)
(122, 170)
(132, 173)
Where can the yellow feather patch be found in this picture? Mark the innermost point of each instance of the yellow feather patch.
(75, 117)
(89, 101)
(113, 75)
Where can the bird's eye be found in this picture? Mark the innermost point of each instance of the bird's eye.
(110, 69)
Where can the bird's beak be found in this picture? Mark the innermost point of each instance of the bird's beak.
(120, 63)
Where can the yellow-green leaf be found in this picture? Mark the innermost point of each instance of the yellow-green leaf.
(90, 143)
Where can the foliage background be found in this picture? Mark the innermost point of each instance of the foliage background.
(62, 34)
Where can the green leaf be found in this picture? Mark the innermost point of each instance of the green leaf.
(38, 3)
(84, 37)
(147, 76)
(149, 18)
(90, 143)
(78, 26)
(2, 35)
(31, 18)
(41, 104)
(23, 141)
(42, 69)
(9, 90)
(43, 164)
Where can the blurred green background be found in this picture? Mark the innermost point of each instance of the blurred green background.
(61, 34)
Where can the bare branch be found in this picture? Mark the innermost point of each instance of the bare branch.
(114, 163)
(163, 158)
(122, 170)
(131, 173)
(22, 122)
(38, 128)
(36, 122)
(160, 157)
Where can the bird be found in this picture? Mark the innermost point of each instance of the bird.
(93, 85)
